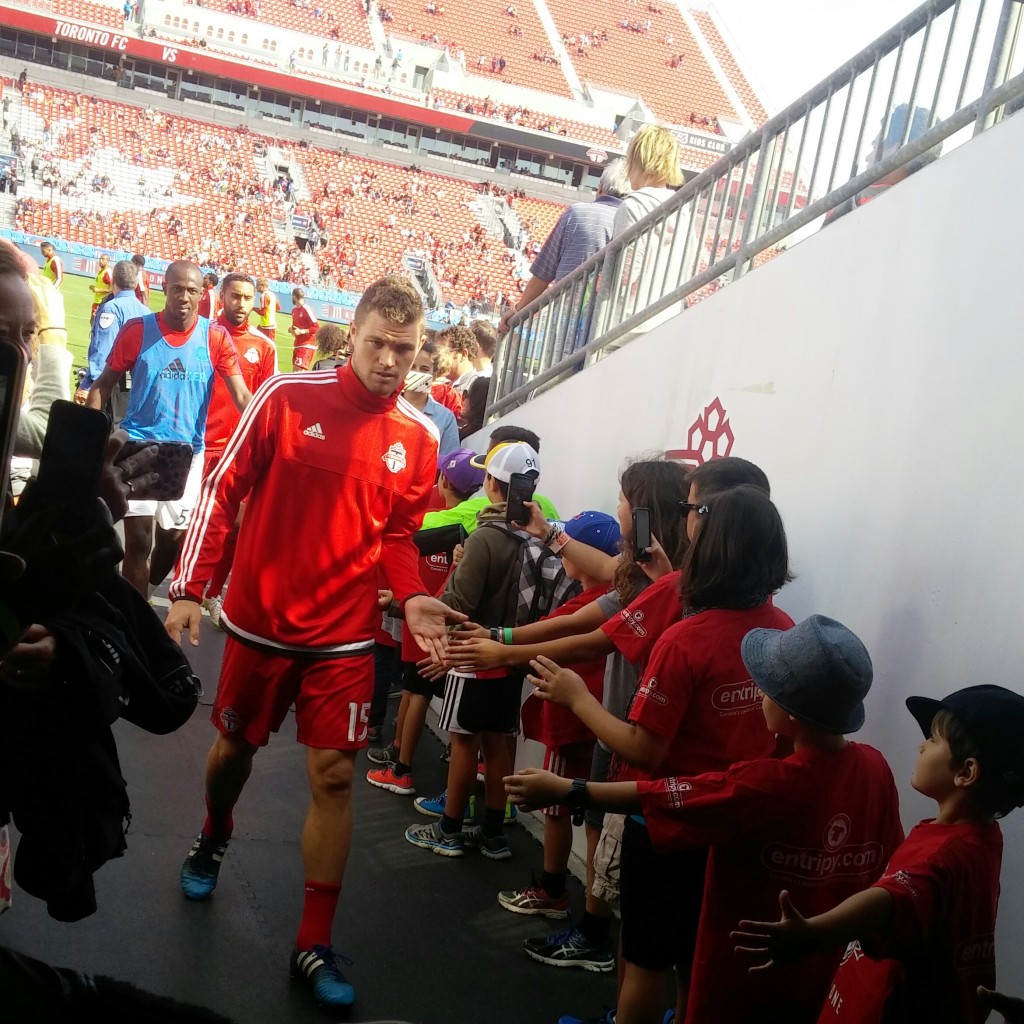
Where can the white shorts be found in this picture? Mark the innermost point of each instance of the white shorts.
(174, 515)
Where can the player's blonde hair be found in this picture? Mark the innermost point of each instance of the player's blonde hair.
(654, 153)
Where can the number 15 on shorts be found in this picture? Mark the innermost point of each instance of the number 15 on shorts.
(358, 722)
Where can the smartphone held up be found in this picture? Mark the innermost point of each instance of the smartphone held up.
(641, 534)
(520, 491)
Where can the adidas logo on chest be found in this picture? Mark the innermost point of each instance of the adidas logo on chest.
(315, 431)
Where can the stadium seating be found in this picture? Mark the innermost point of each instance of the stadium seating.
(483, 30)
(220, 181)
(579, 130)
(537, 216)
(90, 13)
(724, 57)
(633, 62)
(341, 20)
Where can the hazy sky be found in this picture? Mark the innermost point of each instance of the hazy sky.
(788, 46)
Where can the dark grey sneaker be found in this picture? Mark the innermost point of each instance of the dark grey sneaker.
(382, 755)
(494, 847)
(571, 948)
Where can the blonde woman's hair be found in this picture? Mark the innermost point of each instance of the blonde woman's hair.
(655, 152)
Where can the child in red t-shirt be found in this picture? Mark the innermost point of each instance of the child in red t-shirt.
(822, 820)
(695, 711)
(568, 743)
(919, 943)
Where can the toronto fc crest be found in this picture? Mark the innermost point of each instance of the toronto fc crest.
(394, 457)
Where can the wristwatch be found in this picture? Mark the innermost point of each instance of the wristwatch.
(576, 800)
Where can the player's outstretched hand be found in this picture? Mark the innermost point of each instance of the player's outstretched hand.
(1010, 1007)
(554, 683)
(428, 620)
(773, 942)
(184, 615)
(532, 788)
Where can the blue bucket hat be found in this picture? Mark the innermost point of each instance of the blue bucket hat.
(818, 671)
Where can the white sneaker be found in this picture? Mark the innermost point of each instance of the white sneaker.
(213, 607)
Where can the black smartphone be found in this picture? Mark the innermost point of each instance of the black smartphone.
(520, 491)
(13, 370)
(172, 463)
(70, 466)
(641, 534)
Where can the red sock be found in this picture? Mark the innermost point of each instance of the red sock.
(317, 914)
(219, 828)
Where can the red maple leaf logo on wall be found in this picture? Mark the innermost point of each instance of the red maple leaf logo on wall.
(710, 437)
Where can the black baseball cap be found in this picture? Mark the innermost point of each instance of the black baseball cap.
(993, 718)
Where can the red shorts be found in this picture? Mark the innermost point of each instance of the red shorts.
(303, 356)
(331, 697)
(571, 761)
(270, 332)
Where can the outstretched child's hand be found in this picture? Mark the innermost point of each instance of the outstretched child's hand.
(554, 683)
(533, 788)
(431, 670)
(1012, 1009)
(774, 942)
(475, 654)
(470, 631)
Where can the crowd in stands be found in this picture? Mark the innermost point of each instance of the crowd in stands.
(179, 188)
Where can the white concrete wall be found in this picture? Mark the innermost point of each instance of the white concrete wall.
(876, 373)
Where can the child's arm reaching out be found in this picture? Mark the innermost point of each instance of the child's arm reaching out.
(794, 936)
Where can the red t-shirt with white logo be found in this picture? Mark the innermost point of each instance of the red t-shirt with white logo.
(434, 572)
(698, 694)
(939, 945)
(257, 360)
(550, 723)
(314, 448)
(820, 824)
(639, 626)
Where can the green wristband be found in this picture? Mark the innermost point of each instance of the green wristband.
(508, 635)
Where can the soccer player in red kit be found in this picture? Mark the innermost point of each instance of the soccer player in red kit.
(257, 359)
(142, 288)
(342, 447)
(208, 305)
(304, 327)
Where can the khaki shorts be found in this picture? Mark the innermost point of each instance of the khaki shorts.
(607, 859)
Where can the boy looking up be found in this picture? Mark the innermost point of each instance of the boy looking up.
(919, 942)
(824, 818)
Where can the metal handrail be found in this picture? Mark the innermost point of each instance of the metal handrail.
(579, 311)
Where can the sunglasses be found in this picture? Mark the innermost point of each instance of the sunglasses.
(686, 507)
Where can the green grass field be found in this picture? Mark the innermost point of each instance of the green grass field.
(78, 302)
